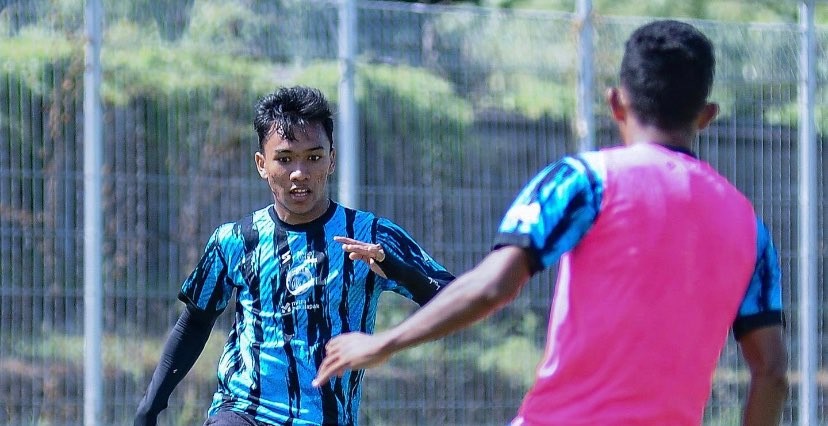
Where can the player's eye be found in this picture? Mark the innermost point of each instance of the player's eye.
(314, 157)
(283, 159)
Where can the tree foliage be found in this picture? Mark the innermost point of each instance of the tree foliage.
(724, 10)
(180, 80)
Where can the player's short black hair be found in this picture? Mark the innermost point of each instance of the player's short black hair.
(291, 108)
(667, 71)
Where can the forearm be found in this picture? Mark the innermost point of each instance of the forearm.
(422, 286)
(183, 347)
(470, 298)
(765, 401)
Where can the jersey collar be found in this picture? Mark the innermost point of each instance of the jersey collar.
(300, 227)
(680, 149)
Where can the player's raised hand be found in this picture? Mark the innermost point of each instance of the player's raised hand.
(372, 254)
(351, 351)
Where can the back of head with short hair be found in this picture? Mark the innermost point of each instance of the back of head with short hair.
(289, 109)
(667, 71)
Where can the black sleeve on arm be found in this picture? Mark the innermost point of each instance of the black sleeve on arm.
(421, 286)
(523, 241)
(184, 345)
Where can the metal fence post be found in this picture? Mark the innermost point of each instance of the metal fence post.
(93, 216)
(808, 338)
(585, 120)
(347, 134)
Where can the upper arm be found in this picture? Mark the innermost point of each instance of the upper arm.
(208, 287)
(504, 272)
(555, 210)
(762, 303)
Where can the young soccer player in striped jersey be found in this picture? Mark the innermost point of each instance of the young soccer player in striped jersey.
(659, 257)
(303, 270)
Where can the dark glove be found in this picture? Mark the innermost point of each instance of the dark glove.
(144, 418)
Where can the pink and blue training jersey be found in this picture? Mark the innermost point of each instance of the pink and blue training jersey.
(660, 256)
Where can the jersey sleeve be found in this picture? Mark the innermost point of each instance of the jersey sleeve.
(762, 304)
(554, 210)
(411, 271)
(209, 288)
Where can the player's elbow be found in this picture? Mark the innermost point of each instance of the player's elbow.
(773, 374)
(780, 384)
(776, 380)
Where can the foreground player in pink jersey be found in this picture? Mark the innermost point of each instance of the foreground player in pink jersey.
(659, 257)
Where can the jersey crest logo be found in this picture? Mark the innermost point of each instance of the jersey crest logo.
(303, 275)
(300, 280)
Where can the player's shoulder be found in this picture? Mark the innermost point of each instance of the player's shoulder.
(383, 226)
(366, 216)
(587, 167)
(358, 213)
(352, 217)
(591, 163)
(246, 230)
(363, 222)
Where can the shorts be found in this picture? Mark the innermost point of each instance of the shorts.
(232, 418)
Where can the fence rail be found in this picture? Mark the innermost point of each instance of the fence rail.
(457, 107)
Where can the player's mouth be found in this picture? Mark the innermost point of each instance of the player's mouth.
(300, 193)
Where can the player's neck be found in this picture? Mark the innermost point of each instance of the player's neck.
(636, 133)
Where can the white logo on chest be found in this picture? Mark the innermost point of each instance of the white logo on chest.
(300, 280)
(302, 277)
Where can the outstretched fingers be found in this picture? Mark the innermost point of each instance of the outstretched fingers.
(360, 250)
(332, 365)
(350, 351)
(369, 253)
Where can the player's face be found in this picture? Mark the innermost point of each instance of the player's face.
(297, 173)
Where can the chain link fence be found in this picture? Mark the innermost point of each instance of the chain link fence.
(458, 107)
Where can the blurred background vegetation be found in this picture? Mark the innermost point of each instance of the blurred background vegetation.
(756, 11)
(459, 104)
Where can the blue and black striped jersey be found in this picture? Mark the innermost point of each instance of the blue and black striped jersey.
(295, 288)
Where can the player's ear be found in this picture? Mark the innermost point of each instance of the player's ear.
(616, 104)
(333, 162)
(259, 159)
(706, 115)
